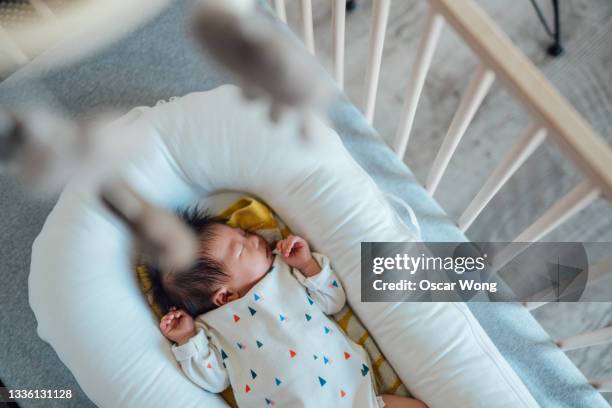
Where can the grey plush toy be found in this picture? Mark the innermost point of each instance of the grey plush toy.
(266, 62)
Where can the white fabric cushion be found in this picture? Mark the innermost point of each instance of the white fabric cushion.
(89, 308)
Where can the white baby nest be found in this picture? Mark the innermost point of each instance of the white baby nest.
(84, 293)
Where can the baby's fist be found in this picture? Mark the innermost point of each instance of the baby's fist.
(296, 253)
(178, 326)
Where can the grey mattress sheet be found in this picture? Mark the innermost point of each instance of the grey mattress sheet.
(158, 61)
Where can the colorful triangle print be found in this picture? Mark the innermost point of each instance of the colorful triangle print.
(277, 381)
(327, 329)
(247, 388)
(209, 365)
(223, 355)
(253, 374)
(292, 353)
(325, 360)
(314, 356)
(282, 318)
(308, 317)
(253, 311)
(259, 343)
(268, 401)
(342, 394)
(334, 283)
(322, 381)
(236, 318)
(310, 300)
(240, 346)
(346, 355)
(364, 369)
(256, 297)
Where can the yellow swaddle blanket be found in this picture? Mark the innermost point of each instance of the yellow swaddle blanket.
(254, 216)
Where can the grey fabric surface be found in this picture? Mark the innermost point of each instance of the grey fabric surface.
(159, 61)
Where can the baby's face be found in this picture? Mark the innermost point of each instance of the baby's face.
(246, 257)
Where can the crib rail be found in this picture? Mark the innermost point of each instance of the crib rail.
(380, 16)
(597, 274)
(40, 11)
(551, 116)
(473, 97)
(12, 49)
(424, 55)
(602, 385)
(593, 338)
(307, 25)
(281, 11)
(529, 141)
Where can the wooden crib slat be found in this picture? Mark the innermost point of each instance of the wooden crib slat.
(601, 271)
(471, 101)
(307, 25)
(593, 338)
(42, 9)
(602, 385)
(424, 55)
(597, 273)
(281, 11)
(380, 16)
(11, 48)
(534, 305)
(574, 135)
(338, 28)
(529, 141)
(582, 195)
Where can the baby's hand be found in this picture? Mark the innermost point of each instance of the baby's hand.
(178, 326)
(296, 253)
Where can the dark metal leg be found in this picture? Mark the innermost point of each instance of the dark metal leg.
(556, 48)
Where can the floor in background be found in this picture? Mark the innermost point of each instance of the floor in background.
(583, 75)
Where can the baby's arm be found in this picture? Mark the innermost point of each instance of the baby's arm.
(324, 288)
(314, 272)
(199, 360)
(201, 363)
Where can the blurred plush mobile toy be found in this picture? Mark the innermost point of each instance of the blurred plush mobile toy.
(44, 150)
(267, 62)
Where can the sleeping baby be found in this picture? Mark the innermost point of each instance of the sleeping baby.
(261, 323)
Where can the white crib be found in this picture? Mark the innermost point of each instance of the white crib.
(550, 114)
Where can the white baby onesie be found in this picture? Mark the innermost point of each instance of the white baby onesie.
(277, 347)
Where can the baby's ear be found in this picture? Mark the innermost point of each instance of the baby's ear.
(221, 296)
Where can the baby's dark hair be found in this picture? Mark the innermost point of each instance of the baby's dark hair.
(191, 289)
